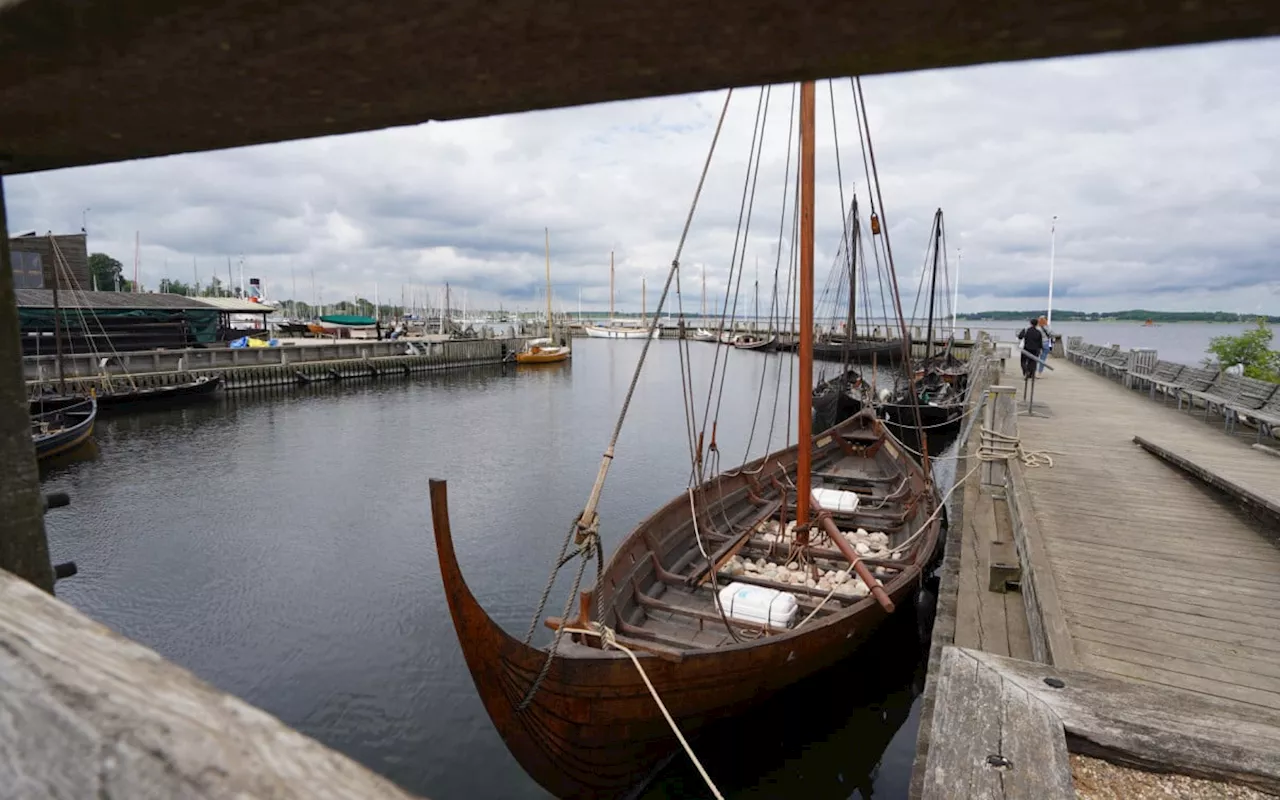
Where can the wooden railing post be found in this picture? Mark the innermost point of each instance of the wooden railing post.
(24, 550)
(1000, 417)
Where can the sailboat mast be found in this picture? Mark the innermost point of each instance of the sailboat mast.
(610, 285)
(57, 323)
(755, 318)
(933, 279)
(644, 299)
(804, 450)
(851, 320)
(704, 294)
(546, 232)
(955, 302)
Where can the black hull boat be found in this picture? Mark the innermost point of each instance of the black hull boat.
(859, 352)
(205, 386)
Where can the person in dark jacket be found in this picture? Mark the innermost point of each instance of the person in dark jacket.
(1032, 344)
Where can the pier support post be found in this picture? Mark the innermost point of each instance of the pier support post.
(24, 550)
(1001, 417)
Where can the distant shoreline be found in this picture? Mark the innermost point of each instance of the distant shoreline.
(1115, 321)
(1138, 316)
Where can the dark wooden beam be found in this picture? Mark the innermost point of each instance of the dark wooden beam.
(24, 551)
(90, 81)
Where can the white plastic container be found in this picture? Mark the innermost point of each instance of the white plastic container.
(837, 501)
(759, 604)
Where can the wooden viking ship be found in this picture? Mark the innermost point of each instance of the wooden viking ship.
(582, 717)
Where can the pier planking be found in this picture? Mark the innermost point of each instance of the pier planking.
(1128, 537)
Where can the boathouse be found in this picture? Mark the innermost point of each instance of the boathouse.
(105, 322)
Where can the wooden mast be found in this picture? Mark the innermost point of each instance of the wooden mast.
(804, 451)
(546, 232)
(57, 321)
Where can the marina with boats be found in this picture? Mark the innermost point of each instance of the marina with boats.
(814, 551)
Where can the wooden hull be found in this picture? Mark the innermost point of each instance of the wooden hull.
(201, 388)
(940, 420)
(754, 344)
(593, 729)
(58, 426)
(548, 356)
(860, 352)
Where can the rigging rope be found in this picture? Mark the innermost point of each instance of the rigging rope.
(737, 261)
(586, 525)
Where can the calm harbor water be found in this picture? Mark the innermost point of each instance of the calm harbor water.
(279, 546)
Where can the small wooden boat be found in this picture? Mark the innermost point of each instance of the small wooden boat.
(61, 424)
(541, 351)
(837, 399)
(544, 351)
(752, 341)
(859, 351)
(592, 729)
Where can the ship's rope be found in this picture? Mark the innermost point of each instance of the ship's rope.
(994, 446)
(609, 640)
(587, 525)
(712, 569)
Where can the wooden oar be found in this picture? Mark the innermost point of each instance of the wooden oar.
(855, 560)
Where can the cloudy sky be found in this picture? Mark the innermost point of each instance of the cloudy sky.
(1163, 168)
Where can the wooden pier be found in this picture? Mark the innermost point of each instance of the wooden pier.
(253, 368)
(1121, 551)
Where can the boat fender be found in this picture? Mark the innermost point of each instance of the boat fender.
(926, 603)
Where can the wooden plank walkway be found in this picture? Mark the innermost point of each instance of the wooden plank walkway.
(1160, 580)
(993, 622)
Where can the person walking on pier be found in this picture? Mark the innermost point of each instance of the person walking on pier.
(1047, 347)
(1032, 346)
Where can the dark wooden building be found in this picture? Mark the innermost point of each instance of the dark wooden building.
(105, 322)
(34, 257)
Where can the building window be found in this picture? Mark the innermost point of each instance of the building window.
(28, 270)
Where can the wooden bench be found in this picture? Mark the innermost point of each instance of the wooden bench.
(1254, 394)
(1074, 343)
(1194, 379)
(1096, 360)
(1083, 352)
(1117, 363)
(1142, 362)
(1224, 391)
(1164, 377)
(1267, 416)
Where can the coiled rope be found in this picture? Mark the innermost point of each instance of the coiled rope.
(996, 446)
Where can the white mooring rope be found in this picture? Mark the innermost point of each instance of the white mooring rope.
(609, 639)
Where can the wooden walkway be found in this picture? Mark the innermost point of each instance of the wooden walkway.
(1159, 578)
(993, 622)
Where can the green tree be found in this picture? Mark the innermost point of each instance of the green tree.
(105, 272)
(1252, 349)
(175, 287)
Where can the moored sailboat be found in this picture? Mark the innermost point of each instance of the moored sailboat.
(746, 583)
(545, 350)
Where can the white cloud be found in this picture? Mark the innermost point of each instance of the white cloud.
(1161, 165)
